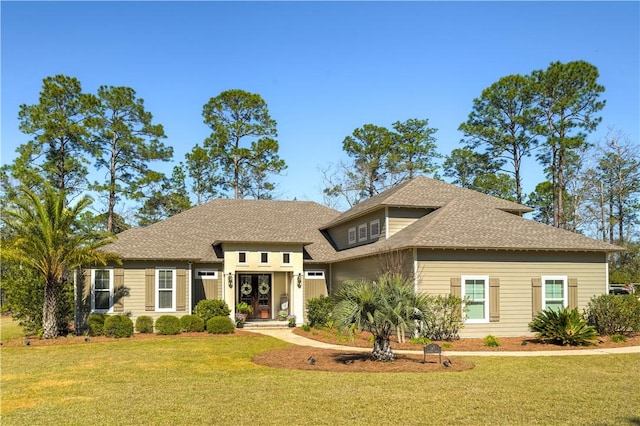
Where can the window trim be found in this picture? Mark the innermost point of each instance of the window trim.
(314, 275)
(173, 290)
(240, 261)
(93, 291)
(283, 255)
(264, 253)
(360, 229)
(355, 235)
(565, 289)
(485, 278)
(371, 224)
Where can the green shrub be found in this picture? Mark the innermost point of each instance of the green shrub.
(491, 341)
(207, 309)
(618, 338)
(96, 324)
(168, 324)
(613, 314)
(443, 320)
(144, 324)
(118, 326)
(420, 341)
(305, 327)
(220, 325)
(320, 311)
(191, 323)
(564, 327)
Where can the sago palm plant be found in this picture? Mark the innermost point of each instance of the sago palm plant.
(564, 327)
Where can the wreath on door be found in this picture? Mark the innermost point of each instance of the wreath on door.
(263, 287)
(246, 289)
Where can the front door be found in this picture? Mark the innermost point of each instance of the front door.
(255, 290)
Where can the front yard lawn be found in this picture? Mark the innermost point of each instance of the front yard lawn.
(212, 380)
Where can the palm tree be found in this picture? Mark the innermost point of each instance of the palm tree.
(380, 307)
(43, 235)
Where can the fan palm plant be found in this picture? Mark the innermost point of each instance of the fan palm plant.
(44, 235)
(381, 307)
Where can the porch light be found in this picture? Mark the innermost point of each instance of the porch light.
(230, 280)
(299, 279)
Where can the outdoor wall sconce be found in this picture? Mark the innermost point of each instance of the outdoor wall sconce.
(299, 279)
(230, 280)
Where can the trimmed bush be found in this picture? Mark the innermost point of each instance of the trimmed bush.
(207, 309)
(144, 324)
(220, 325)
(191, 323)
(443, 320)
(564, 327)
(491, 341)
(96, 324)
(118, 326)
(614, 314)
(168, 324)
(320, 311)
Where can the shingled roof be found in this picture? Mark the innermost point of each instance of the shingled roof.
(191, 234)
(424, 192)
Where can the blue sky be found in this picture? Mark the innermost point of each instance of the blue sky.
(324, 68)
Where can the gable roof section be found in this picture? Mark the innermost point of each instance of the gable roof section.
(424, 192)
(462, 224)
(190, 235)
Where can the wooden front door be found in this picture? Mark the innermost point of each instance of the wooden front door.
(255, 290)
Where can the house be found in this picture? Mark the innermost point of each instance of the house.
(275, 255)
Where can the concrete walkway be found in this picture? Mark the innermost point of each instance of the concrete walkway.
(287, 335)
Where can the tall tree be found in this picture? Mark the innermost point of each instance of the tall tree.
(413, 149)
(43, 236)
(502, 123)
(236, 116)
(60, 145)
(201, 170)
(127, 142)
(566, 97)
(166, 199)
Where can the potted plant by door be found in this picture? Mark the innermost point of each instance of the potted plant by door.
(244, 309)
(239, 320)
(292, 320)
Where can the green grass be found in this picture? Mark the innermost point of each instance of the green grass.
(211, 380)
(9, 329)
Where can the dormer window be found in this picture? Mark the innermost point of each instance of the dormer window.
(352, 235)
(362, 232)
(374, 228)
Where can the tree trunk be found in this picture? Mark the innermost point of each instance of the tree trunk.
(49, 310)
(382, 349)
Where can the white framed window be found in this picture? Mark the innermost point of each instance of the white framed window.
(362, 232)
(165, 290)
(352, 235)
(314, 275)
(206, 274)
(374, 228)
(554, 292)
(286, 258)
(264, 258)
(242, 257)
(475, 293)
(102, 290)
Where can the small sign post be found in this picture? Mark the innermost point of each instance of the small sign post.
(432, 348)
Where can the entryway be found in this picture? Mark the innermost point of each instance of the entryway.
(255, 290)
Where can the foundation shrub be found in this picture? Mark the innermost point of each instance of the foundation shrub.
(207, 309)
(191, 323)
(443, 318)
(96, 324)
(144, 324)
(614, 314)
(168, 324)
(563, 327)
(618, 338)
(220, 325)
(118, 326)
(491, 341)
(320, 311)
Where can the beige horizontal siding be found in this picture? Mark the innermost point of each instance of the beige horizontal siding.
(515, 284)
(400, 218)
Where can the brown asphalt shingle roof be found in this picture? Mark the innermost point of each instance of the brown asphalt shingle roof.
(462, 219)
(190, 234)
